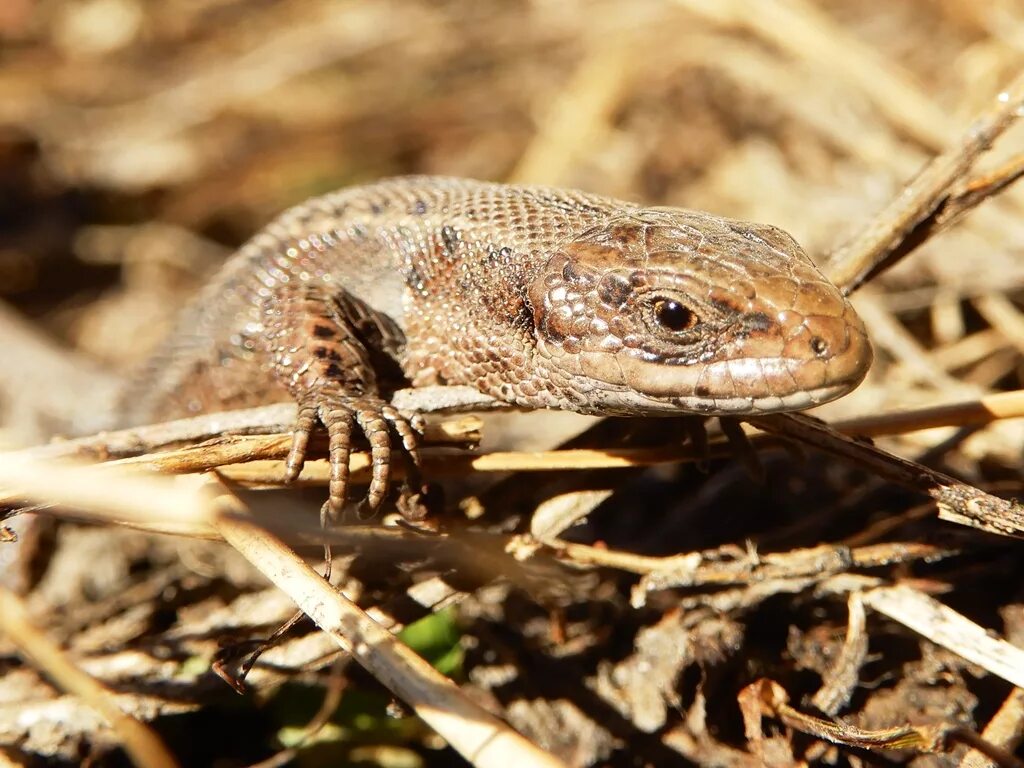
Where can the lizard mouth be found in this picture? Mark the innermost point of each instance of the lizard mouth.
(735, 386)
(794, 401)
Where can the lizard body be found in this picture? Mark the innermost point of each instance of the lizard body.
(540, 297)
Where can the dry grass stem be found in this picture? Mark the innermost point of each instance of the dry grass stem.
(1005, 730)
(768, 698)
(577, 121)
(844, 677)
(481, 738)
(984, 410)
(107, 493)
(145, 749)
(947, 628)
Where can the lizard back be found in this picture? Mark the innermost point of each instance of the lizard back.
(378, 242)
(538, 296)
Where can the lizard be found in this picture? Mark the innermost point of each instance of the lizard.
(539, 297)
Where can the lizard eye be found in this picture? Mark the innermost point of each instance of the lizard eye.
(673, 316)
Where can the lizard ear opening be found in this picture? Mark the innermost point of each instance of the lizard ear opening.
(544, 289)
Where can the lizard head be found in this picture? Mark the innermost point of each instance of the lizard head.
(668, 310)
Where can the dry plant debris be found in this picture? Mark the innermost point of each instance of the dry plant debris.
(605, 594)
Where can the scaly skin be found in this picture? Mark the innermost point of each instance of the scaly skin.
(540, 297)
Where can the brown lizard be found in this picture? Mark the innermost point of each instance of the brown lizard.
(540, 297)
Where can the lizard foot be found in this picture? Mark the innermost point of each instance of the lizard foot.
(342, 415)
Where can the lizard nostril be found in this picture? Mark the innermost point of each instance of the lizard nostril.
(819, 346)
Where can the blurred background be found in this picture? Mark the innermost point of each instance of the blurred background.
(141, 141)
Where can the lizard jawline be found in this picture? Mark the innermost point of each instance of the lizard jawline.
(634, 386)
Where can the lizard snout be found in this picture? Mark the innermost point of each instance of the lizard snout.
(705, 316)
(767, 360)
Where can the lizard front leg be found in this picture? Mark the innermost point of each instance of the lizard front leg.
(328, 349)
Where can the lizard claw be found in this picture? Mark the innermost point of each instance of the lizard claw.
(341, 415)
(304, 424)
(371, 421)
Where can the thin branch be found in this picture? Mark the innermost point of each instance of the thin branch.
(958, 501)
(968, 194)
(914, 214)
(257, 460)
(278, 418)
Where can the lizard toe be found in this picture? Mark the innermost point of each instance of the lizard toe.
(304, 424)
(409, 431)
(382, 425)
(371, 421)
(339, 423)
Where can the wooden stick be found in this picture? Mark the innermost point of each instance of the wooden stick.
(476, 734)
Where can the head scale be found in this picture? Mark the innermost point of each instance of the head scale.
(668, 310)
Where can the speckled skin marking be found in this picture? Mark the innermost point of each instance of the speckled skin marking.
(540, 297)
